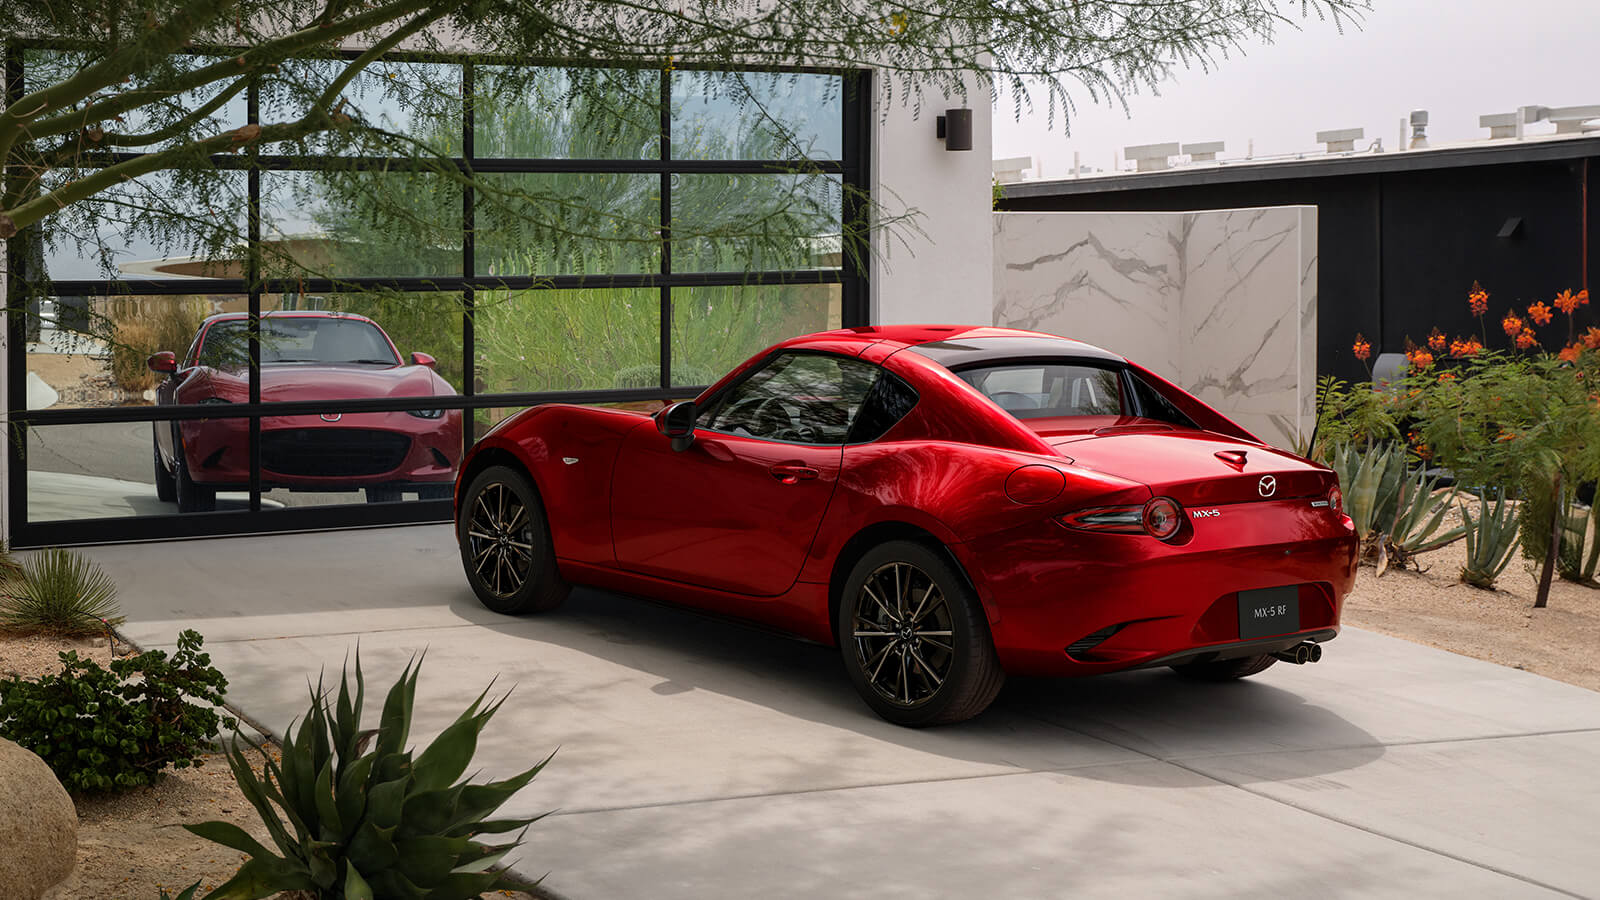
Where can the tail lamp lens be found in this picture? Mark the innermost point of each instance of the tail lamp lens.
(1162, 518)
(1335, 499)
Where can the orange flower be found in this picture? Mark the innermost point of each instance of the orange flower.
(1419, 358)
(1511, 324)
(1436, 341)
(1591, 338)
(1527, 339)
(1540, 314)
(1478, 299)
(1361, 348)
(1465, 347)
(1568, 302)
(1507, 436)
(1447, 376)
(1570, 353)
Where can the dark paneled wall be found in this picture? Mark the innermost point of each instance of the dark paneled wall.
(1400, 250)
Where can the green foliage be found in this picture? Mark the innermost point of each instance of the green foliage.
(355, 814)
(59, 592)
(9, 567)
(188, 893)
(1419, 513)
(1371, 482)
(1580, 545)
(102, 730)
(1490, 540)
(1353, 415)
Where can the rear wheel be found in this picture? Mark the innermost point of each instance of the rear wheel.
(505, 544)
(914, 638)
(1226, 669)
(191, 497)
(166, 485)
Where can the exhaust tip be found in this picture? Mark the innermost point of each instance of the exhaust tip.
(1302, 653)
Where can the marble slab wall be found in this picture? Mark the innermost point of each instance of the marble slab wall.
(1222, 302)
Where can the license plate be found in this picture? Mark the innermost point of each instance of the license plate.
(1269, 611)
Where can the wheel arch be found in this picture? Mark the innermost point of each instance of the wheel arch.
(488, 457)
(871, 536)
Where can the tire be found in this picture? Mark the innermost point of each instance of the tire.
(896, 657)
(1226, 669)
(166, 485)
(511, 569)
(191, 497)
(382, 494)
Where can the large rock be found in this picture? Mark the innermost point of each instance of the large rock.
(38, 825)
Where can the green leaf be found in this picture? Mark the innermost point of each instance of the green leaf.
(355, 887)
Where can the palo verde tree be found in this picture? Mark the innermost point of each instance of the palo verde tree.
(124, 110)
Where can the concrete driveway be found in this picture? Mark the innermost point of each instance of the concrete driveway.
(699, 759)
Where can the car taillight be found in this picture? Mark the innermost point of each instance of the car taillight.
(1335, 500)
(1162, 518)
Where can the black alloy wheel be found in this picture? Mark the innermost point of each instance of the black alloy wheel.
(191, 497)
(166, 485)
(915, 641)
(505, 544)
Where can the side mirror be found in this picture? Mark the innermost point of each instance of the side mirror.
(677, 423)
(423, 359)
(165, 362)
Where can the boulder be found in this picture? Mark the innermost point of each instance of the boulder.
(38, 825)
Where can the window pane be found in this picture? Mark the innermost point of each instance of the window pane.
(42, 68)
(416, 101)
(348, 224)
(756, 115)
(311, 348)
(567, 340)
(740, 223)
(805, 398)
(94, 351)
(113, 470)
(545, 113)
(165, 225)
(1039, 391)
(568, 224)
(715, 329)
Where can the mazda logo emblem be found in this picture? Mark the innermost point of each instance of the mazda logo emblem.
(332, 417)
(1267, 486)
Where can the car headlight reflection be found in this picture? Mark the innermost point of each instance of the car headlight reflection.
(426, 413)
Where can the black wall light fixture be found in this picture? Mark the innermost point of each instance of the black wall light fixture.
(1511, 229)
(955, 127)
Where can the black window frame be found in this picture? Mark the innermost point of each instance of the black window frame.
(853, 168)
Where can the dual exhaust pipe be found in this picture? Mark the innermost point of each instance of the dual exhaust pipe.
(1302, 653)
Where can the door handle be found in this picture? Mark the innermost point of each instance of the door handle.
(793, 473)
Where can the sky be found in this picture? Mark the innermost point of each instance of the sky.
(1458, 59)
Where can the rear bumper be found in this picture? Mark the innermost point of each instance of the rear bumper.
(1130, 601)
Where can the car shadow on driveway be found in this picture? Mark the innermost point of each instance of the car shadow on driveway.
(1089, 726)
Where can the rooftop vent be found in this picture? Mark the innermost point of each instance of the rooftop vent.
(1206, 152)
(1342, 140)
(1571, 119)
(1151, 157)
(1009, 171)
(1419, 129)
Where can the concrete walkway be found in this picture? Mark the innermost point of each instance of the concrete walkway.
(706, 760)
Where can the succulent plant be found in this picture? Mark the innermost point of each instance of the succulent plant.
(1490, 541)
(354, 814)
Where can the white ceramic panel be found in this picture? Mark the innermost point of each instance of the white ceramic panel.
(1223, 302)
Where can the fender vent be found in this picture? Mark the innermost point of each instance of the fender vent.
(1090, 641)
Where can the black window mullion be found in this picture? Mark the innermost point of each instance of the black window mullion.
(855, 300)
(16, 331)
(665, 223)
(469, 253)
(253, 278)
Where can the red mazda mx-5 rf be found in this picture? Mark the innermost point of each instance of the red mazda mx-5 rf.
(305, 355)
(946, 504)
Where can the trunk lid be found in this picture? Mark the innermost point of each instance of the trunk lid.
(1195, 468)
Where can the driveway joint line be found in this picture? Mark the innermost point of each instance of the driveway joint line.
(1420, 742)
(322, 634)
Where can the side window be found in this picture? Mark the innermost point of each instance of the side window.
(1153, 405)
(806, 398)
(887, 403)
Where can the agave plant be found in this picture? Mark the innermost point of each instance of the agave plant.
(1580, 545)
(356, 815)
(58, 592)
(1418, 516)
(1491, 540)
(1371, 482)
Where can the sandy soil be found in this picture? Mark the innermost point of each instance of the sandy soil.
(1561, 641)
(129, 845)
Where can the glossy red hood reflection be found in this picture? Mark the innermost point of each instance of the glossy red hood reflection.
(297, 381)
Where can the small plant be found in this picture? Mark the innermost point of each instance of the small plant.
(1418, 515)
(1372, 483)
(355, 814)
(9, 567)
(59, 592)
(1491, 540)
(102, 730)
(1580, 546)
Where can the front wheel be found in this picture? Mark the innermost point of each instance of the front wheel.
(166, 485)
(505, 544)
(191, 497)
(915, 641)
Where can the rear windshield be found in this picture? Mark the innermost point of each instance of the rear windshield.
(1050, 390)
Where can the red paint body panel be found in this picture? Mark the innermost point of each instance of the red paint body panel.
(715, 527)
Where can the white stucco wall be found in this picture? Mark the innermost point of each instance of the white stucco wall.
(939, 267)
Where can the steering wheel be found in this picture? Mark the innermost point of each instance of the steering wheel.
(763, 417)
(1012, 400)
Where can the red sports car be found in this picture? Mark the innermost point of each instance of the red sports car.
(305, 355)
(946, 504)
